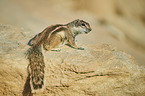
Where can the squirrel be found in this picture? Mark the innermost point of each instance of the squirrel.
(49, 39)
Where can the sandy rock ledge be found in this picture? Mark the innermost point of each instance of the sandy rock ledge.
(99, 70)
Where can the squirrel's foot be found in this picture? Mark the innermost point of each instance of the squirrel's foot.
(80, 48)
(57, 50)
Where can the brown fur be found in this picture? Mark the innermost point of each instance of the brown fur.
(52, 37)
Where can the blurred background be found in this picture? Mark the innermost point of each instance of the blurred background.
(117, 22)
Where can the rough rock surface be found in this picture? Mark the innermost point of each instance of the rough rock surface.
(99, 70)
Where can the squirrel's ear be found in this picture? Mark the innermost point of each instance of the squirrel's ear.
(76, 21)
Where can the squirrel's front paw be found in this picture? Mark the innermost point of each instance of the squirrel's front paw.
(80, 48)
(56, 49)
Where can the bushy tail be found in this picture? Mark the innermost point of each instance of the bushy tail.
(36, 68)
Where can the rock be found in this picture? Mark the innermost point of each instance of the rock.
(99, 70)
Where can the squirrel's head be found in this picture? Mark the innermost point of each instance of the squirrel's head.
(80, 27)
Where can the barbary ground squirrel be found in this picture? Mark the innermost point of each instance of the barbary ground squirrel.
(49, 39)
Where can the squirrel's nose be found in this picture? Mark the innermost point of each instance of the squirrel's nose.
(90, 29)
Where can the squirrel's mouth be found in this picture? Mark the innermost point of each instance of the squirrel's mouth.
(87, 31)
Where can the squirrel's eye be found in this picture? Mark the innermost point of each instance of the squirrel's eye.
(83, 24)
